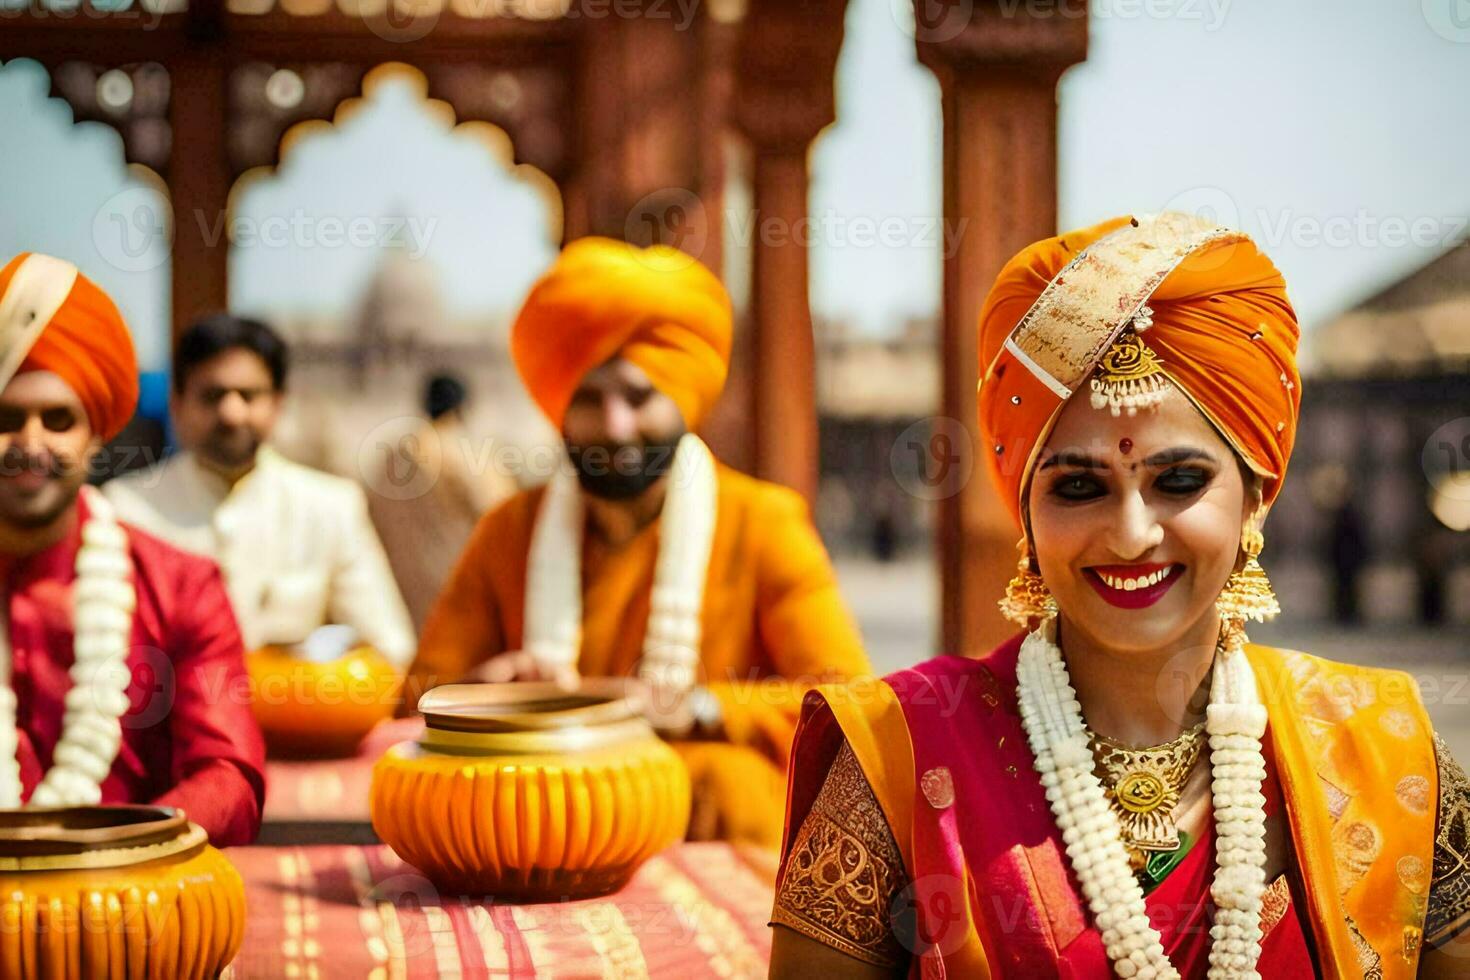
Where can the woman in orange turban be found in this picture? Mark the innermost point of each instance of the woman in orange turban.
(1128, 787)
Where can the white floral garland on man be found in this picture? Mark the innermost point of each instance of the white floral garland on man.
(103, 600)
(671, 642)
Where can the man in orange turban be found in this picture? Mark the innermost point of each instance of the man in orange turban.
(123, 681)
(642, 556)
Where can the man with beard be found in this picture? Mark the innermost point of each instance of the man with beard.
(296, 545)
(643, 556)
(121, 676)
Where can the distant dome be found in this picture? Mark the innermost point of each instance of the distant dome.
(404, 301)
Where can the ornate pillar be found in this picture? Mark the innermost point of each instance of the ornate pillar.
(638, 172)
(998, 72)
(199, 173)
(784, 97)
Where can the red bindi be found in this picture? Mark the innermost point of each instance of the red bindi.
(1125, 446)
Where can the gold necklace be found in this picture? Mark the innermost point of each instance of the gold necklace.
(1143, 786)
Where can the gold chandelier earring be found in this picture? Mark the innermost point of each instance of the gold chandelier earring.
(1027, 598)
(1247, 594)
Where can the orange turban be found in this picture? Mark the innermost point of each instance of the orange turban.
(657, 307)
(1222, 327)
(53, 318)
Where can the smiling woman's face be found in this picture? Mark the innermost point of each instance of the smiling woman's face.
(1136, 522)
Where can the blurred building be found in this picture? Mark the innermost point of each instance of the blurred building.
(877, 398)
(1374, 525)
(351, 379)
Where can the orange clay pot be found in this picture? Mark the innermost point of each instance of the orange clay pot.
(307, 708)
(127, 891)
(529, 793)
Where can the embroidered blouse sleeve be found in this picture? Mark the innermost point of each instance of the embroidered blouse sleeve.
(1449, 890)
(844, 870)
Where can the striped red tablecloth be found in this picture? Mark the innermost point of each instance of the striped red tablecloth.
(331, 789)
(697, 910)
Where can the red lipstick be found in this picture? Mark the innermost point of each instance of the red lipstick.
(1133, 586)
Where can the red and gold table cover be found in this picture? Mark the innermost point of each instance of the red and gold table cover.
(696, 910)
(332, 789)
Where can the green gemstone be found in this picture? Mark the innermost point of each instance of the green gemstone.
(1158, 865)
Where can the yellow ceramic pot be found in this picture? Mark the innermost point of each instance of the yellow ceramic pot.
(310, 708)
(529, 793)
(132, 891)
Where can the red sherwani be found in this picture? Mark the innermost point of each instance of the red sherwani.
(189, 737)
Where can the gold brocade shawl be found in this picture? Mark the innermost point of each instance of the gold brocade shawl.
(1355, 755)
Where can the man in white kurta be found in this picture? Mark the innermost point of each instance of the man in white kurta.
(295, 544)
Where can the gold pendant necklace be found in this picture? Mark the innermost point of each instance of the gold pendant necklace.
(1143, 786)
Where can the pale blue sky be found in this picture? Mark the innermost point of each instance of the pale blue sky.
(1334, 132)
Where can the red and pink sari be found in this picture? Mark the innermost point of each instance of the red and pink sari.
(988, 872)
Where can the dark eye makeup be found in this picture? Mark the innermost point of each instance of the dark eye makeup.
(1176, 481)
(1077, 487)
(1183, 481)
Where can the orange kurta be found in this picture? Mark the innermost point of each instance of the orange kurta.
(773, 621)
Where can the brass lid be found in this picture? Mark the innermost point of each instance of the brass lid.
(531, 717)
(59, 838)
(529, 706)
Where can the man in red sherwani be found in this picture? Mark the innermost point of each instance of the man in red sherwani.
(123, 681)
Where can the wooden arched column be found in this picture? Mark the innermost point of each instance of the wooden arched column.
(784, 97)
(998, 73)
(199, 185)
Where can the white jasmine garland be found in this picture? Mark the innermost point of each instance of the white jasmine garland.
(1235, 721)
(553, 610)
(103, 601)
